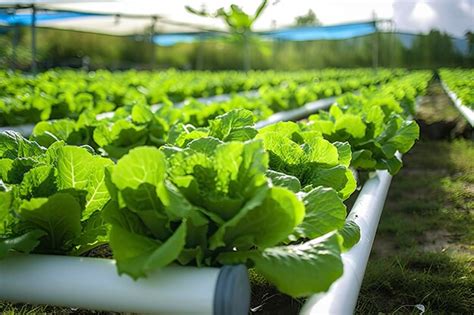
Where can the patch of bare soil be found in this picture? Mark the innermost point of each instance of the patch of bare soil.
(443, 241)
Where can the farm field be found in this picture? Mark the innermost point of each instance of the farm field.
(135, 166)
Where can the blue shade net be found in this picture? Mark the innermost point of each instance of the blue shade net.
(172, 39)
(333, 32)
(25, 19)
(342, 31)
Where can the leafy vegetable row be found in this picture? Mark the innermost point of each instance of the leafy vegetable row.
(222, 194)
(64, 93)
(141, 125)
(461, 82)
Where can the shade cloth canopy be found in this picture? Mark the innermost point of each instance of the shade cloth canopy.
(332, 32)
(135, 16)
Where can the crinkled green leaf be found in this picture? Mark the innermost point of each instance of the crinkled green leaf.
(73, 168)
(138, 175)
(94, 231)
(13, 145)
(47, 132)
(6, 166)
(325, 212)
(403, 140)
(393, 165)
(363, 159)
(24, 243)
(352, 124)
(141, 114)
(6, 199)
(97, 193)
(263, 223)
(219, 177)
(344, 153)
(140, 165)
(303, 269)
(38, 182)
(309, 157)
(283, 180)
(236, 125)
(138, 255)
(350, 232)
(59, 216)
(117, 139)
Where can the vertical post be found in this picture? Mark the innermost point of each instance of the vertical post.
(274, 46)
(393, 54)
(16, 35)
(247, 64)
(153, 46)
(375, 45)
(34, 67)
(200, 53)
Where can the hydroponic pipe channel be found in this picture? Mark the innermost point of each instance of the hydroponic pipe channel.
(27, 129)
(342, 296)
(297, 113)
(93, 283)
(464, 110)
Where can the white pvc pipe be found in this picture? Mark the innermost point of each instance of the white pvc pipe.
(297, 113)
(465, 111)
(93, 283)
(294, 114)
(204, 100)
(25, 130)
(342, 295)
(214, 99)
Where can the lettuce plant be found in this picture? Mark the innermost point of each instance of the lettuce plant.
(51, 198)
(211, 203)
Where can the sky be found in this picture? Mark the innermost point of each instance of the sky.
(452, 16)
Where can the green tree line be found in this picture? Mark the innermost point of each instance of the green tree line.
(58, 48)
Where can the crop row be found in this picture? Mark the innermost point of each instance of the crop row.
(461, 82)
(221, 193)
(67, 94)
(140, 124)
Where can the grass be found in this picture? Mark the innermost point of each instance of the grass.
(423, 253)
(438, 281)
(7, 308)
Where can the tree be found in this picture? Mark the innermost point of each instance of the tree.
(308, 19)
(239, 23)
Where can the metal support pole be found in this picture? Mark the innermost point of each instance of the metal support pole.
(200, 53)
(34, 66)
(247, 62)
(375, 46)
(153, 46)
(16, 35)
(274, 46)
(376, 51)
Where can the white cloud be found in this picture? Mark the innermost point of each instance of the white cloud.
(451, 16)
